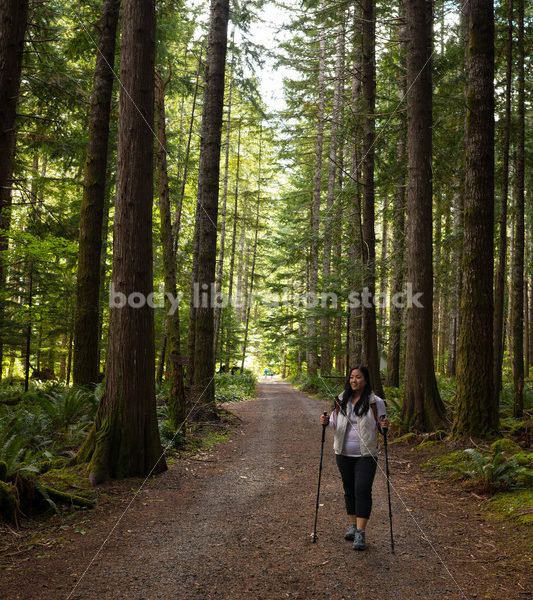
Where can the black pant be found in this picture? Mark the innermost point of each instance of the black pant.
(357, 477)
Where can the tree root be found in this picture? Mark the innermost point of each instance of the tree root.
(68, 498)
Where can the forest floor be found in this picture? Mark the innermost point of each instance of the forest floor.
(235, 522)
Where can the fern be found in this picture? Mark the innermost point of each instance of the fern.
(495, 470)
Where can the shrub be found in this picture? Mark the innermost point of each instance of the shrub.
(234, 388)
(169, 437)
(490, 472)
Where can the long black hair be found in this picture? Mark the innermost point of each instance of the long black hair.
(363, 405)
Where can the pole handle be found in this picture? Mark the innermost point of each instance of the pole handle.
(324, 427)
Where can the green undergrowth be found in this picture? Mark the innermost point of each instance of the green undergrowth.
(502, 465)
(190, 436)
(516, 505)
(72, 480)
(234, 388)
(501, 472)
(193, 437)
(40, 430)
(321, 388)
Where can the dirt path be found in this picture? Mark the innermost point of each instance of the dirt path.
(236, 524)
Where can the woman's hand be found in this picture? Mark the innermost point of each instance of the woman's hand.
(384, 422)
(324, 419)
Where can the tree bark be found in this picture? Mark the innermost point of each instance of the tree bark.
(179, 206)
(312, 350)
(370, 339)
(398, 267)
(252, 275)
(530, 313)
(220, 266)
(86, 340)
(527, 358)
(325, 353)
(422, 408)
(437, 249)
(104, 287)
(204, 359)
(176, 390)
(445, 298)
(476, 412)
(455, 312)
(499, 277)
(239, 296)
(383, 259)
(338, 231)
(13, 23)
(124, 440)
(517, 286)
(354, 325)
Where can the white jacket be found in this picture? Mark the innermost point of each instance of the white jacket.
(366, 429)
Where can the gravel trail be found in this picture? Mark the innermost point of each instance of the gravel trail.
(236, 523)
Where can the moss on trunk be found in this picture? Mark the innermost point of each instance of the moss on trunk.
(9, 503)
(86, 329)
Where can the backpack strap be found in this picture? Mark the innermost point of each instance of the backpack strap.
(375, 411)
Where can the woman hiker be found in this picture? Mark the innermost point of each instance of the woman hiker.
(358, 411)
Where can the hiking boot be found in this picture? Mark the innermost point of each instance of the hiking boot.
(359, 540)
(349, 535)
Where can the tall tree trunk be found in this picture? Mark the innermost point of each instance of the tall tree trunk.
(530, 312)
(383, 284)
(354, 325)
(398, 265)
(176, 394)
(325, 353)
(529, 307)
(422, 407)
(370, 340)
(239, 297)
(27, 353)
(340, 350)
(85, 367)
(104, 287)
(220, 266)
(70, 349)
(193, 303)
(193, 299)
(499, 277)
(437, 250)
(235, 218)
(161, 359)
(526, 325)
(437, 245)
(312, 350)
(124, 440)
(204, 358)
(252, 275)
(179, 206)
(477, 413)
(398, 224)
(445, 299)
(455, 313)
(458, 221)
(13, 23)
(63, 357)
(517, 286)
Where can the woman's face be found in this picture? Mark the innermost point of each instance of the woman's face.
(357, 380)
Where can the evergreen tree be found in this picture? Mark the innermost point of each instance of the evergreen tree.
(124, 440)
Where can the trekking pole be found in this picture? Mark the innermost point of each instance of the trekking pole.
(385, 429)
(319, 477)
